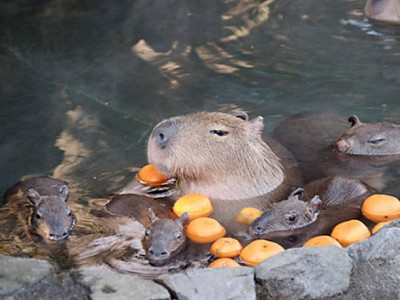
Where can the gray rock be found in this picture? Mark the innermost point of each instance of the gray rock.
(107, 284)
(376, 272)
(17, 273)
(218, 283)
(311, 273)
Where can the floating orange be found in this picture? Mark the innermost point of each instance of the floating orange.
(321, 240)
(196, 205)
(258, 251)
(204, 230)
(226, 247)
(223, 263)
(151, 176)
(379, 226)
(247, 215)
(380, 207)
(350, 232)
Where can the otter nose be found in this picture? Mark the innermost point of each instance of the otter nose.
(157, 255)
(256, 230)
(55, 236)
(163, 133)
(342, 145)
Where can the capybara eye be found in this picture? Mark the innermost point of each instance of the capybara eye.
(219, 132)
(292, 218)
(178, 236)
(377, 141)
(38, 216)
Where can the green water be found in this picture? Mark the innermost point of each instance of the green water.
(82, 82)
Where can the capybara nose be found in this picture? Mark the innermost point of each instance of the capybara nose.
(156, 257)
(54, 236)
(164, 132)
(256, 230)
(342, 145)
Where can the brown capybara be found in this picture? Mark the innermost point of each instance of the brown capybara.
(224, 157)
(41, 206)
(372, 139)
(311, 212)
(383, 10)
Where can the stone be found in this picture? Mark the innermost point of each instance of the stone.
(17, 273)
(376, 272)
(310, 272)
(218, 283)
(107, 284)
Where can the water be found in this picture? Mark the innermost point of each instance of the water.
(82, 83)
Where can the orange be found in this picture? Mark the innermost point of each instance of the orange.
(151, 176)
(204, 230)
(379, 226)
(321, 240)
(380, 207)
(226, 247)
(258, 251)
(247, 215)
(223, 262)
(350, 232)
(196, 205)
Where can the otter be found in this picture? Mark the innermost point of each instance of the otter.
(40, 204)
(165, 233)
(224, 157)
(311, 211)
(383, 10)
(372, 139)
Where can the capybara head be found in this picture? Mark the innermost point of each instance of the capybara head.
(51, 219)
(220, 155)
(383, 10)
(287, 222)
(370, 138)
(167, 239)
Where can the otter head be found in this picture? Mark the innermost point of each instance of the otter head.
(220, 155)
(167, 239)
(370, 138)
(289, 222)
(51, 219)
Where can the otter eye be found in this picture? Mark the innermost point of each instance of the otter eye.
(69, 213)
(377, 141)
(148, 232)
(179, 236)
(219, 132)
(38, 216)
(292, 218)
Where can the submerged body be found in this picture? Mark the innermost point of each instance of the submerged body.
(313, 211)
(224, 157)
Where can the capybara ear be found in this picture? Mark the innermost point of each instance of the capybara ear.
(153, 216)
(315, 205)
(354, 120)
(241, 115)
(183, 219)
(257, 126)
(33, 196)
(64, 193)
(297, 194)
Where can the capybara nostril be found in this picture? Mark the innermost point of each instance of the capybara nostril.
(342, 145)
(164, 133)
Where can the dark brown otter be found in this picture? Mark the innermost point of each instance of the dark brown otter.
(224, 157)
(313, 211)
(41, 204)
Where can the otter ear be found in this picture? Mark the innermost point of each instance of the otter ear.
(257, 126)
(64, 193)
(354, 120)
(315, 205)
(33, 196)
(241, 115)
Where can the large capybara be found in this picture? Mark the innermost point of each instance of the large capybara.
(383, 10)
(324, 146)
(224, 157)
(313, 211)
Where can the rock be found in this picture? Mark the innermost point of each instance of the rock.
(107, 284)
(219, 283)
(311, 272)
(376, 272)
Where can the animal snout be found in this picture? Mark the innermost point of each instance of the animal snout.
(256, 230)
(342, 145)
(157, 257)
(56, 236)
(163, 133)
